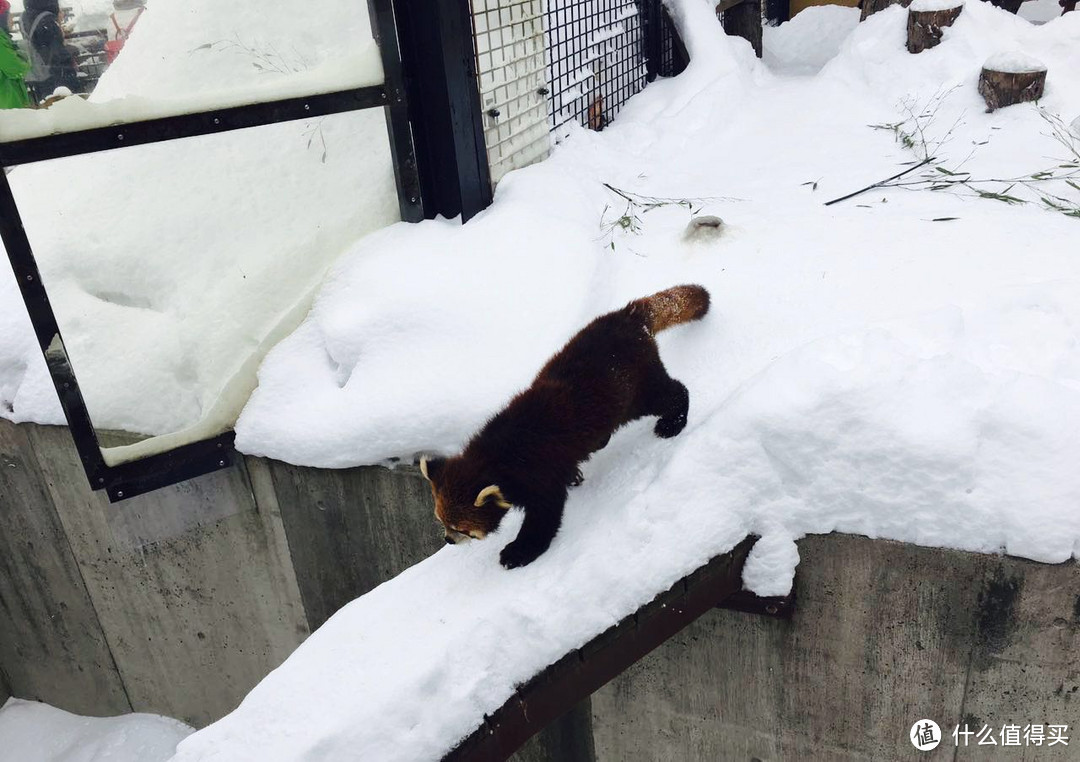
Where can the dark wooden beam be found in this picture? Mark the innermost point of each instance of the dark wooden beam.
(577, 675)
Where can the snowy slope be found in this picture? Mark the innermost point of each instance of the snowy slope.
(864, 368)
(173, 267)
(33, 732)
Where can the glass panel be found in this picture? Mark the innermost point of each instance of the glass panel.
(174, 267)
(129, 60)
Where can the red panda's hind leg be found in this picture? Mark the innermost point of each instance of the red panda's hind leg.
(665, 397)
(674, 408)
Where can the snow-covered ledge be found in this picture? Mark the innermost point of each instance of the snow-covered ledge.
(890, 626)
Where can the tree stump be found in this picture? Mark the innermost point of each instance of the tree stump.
(742, 18)
(926, 21)
(1009, 78)
(870, 7)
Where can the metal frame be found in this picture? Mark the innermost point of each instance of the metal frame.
(409, 69)
(188, 125)
(440, 88)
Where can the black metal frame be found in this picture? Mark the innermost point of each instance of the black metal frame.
(665, 54)
(440, 87)
(426, 186)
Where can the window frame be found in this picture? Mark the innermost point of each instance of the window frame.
(136, 477)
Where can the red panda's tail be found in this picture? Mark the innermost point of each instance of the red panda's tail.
(679, 304)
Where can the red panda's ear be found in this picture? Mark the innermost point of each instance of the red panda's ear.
(432, 468)
(494, 494)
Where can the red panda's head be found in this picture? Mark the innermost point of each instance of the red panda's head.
(468, 506)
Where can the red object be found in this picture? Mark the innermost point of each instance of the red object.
(5, 6)
(113, 47)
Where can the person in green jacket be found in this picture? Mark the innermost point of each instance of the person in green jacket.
(13, 67)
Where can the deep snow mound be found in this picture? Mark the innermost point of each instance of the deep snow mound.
(34, 732)
(810, 40)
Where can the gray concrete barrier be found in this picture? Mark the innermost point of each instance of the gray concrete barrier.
(178, 602)
(884, 634)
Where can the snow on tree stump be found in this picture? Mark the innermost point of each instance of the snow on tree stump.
(870, 7)
(1009, 78)
(927, 20)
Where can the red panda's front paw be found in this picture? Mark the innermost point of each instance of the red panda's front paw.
(517, 554)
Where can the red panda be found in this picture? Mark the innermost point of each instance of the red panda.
(530, 453)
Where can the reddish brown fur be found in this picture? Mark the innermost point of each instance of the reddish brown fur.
(609, 374)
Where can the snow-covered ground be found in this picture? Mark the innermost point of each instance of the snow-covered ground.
(33, 732)
(905, 364)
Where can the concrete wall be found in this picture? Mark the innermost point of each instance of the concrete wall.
(884, 634)
(179, 601)
(349, 530)
(52, 646)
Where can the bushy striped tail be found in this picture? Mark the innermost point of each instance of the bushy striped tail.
(679, 304)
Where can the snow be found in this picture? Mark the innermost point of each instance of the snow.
(1014, 63)
(903, 365)
(174, 267)
(184, 57)
(935, 5)
(810, 40)
(1040, 11)
(33, 732)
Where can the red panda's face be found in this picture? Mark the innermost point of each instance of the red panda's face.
(467, 509)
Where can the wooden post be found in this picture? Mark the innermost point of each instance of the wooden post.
(1010, 78)
(742, 18)
(926, 20)
(870, 7)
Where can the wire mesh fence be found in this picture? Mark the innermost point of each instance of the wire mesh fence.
(511, 76)
(543, 65)
(600, 53)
